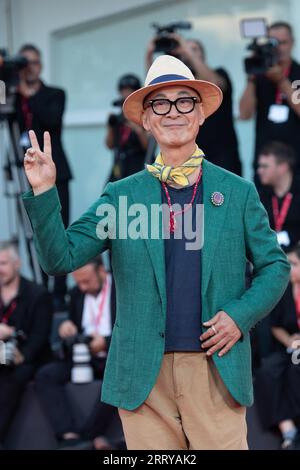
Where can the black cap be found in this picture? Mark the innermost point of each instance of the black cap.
(129, 81)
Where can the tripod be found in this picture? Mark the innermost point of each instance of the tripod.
(16, 175)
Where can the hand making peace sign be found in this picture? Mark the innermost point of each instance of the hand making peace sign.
(39, 166)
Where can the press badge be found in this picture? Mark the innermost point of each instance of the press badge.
(278, 113)
(24, 140)
(283, 238)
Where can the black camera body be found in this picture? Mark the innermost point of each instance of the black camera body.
(163, 42)
(79, 338)
(264, 56)
(76, 349)
(10, 67)
(264, 49)
(62, 349)
(116, 120)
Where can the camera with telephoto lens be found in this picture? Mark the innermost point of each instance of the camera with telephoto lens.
(62, 348)
(163, 41)
(10, 346)
(264, 50)
(10, 67)
(77, 349)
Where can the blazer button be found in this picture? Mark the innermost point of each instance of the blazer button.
(161, 334)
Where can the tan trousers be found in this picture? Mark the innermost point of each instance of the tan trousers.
(188, 408)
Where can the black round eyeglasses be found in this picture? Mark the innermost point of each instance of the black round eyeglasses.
(162, 106)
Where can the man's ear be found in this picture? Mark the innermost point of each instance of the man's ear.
(18, 264)
(145, 121)
(101, 272)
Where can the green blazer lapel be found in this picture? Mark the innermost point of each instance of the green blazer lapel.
(147, 191)
(214, 216)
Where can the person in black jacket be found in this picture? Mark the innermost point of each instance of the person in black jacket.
(269, 97)
(277, 382)
(128, 141)
(280, 194)
(41, 107)
(26, 311)
(90, 313)
(280, 191)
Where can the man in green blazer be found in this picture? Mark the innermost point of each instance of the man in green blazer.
(179, 364)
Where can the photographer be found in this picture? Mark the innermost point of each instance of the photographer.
(128, 140)
(277, 381)
(90, 315)
(269, 96)
(280, 191)
(25, 319)
(222, 151)
(41, 108)
(280, 195)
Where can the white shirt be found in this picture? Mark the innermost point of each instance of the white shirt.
(96, 318)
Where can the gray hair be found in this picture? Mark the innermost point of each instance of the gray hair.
(11, 246)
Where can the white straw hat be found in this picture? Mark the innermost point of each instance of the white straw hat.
(166, 71)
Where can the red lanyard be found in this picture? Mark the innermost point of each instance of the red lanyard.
(280, 216)
(188, 206)
(297, 303)
(98, 317)
(125, 132)
(279, 95)
(26, 113)
(9, 312)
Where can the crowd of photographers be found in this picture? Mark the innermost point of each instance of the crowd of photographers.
(76, 353)
(79, 350)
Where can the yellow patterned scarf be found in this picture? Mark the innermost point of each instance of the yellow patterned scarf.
(179, 174)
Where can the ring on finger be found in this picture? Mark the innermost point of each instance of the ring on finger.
(214, 329)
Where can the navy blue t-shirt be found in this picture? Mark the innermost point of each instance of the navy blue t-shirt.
(183, 279)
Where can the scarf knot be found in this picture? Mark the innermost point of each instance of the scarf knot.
(179, 175)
